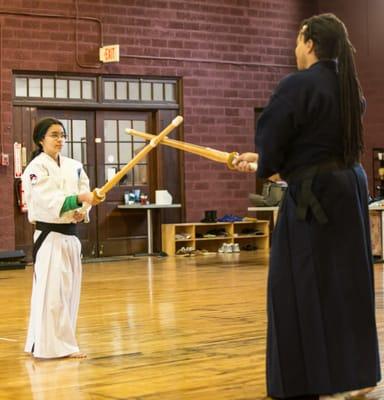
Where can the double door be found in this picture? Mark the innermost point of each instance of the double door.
(99, 140)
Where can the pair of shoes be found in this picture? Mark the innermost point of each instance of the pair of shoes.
(185, 250)
(229, 248)
(230, 218)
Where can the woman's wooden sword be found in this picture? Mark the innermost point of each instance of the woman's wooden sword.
(212, 154)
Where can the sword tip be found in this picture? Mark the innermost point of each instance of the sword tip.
(177, 121)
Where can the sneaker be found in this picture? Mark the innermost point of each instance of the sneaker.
(225, 248)
(228, 248)
(235, 248)
(181, 250)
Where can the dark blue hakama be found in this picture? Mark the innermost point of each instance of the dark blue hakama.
(322, 336)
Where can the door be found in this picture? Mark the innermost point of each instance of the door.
(80, 145)
(122, 232)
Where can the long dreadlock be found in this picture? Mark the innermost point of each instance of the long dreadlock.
(331, 41)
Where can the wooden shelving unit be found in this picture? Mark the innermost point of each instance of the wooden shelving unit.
(210, 236)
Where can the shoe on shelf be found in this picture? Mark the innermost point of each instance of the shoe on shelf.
(235, 248)
(225, 248)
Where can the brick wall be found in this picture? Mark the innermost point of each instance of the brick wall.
(229, 53)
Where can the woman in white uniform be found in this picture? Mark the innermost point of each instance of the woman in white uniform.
(56, 189)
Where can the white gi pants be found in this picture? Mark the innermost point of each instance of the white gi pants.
(55, 297)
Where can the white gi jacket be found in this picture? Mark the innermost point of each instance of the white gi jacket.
(46, 185)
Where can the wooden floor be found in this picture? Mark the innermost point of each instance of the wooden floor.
(177, 328)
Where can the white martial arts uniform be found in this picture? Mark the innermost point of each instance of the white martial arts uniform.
(57, 271)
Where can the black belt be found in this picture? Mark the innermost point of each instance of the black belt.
(45, 228)
(306, 198)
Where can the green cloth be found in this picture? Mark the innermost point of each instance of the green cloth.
(70, 203)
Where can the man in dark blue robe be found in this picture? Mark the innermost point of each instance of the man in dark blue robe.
(322, 339)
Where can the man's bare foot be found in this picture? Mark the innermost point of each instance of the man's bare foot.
(361, 392)
(78, 354)
(336, 396)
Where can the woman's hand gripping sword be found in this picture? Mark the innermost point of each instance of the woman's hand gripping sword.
(216, 155)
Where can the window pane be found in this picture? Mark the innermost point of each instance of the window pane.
(67, 128)
(134, 91)
(121, 90)
(34, 87)
(79, 132)
(110, 130)
(78, 152)
(123, 136)
(125, 152)
(74, 89)
(61, 89)
(140, 172)
(137, 147)
(170, 92)
(158, 91)
(87, 89)
(109, 90)
(48, 86)
(110, 153)
(65, 150)
(146, 91)
(139, 125)
(126, 180)
(21, 87)
(110, 170)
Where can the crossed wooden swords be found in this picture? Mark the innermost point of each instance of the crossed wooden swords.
(154, 140)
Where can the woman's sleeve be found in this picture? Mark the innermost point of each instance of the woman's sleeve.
(83, 182)
(44, 191)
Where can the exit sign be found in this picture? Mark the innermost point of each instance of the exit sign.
(110, 53)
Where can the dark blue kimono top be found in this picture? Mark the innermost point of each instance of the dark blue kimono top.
(301, 124)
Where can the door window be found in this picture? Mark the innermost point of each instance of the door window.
(120, 148)
(76, 144)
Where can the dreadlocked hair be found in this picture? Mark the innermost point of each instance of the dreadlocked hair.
(331, 41)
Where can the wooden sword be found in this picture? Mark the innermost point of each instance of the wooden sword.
(212, 154)
(154, 141)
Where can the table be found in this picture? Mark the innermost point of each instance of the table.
(381, 209)
(149, 208)
(274, 210)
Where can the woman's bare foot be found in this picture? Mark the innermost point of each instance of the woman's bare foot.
(78, 354)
